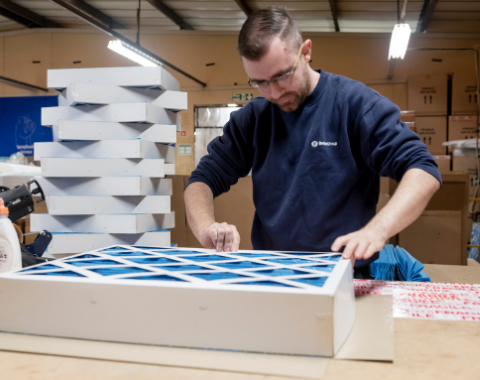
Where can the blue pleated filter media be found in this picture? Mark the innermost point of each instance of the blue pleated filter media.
(271, 269)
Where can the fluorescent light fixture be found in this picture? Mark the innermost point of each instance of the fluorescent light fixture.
(399, 42)
(130, 52)
(233, 105)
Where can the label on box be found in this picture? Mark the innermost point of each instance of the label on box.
(433, 132)
(185, 150)
(427, 94)
(462, 128)
(464, 97)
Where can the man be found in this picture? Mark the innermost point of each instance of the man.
(316, 144)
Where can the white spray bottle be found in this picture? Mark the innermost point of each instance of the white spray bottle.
(10, 253)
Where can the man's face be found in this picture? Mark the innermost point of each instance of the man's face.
(279, 60)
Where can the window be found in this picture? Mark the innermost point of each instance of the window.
(209, 123)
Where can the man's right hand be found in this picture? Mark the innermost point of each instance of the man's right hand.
(221, 236)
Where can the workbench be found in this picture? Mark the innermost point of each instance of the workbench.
(424, 349)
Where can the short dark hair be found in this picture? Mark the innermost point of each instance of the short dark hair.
(260, 29)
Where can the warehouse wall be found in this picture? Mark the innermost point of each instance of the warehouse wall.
(360, 57)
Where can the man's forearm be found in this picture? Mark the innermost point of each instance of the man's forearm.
(201, 219)
(412, 196)
(408, 202)
(199, 207)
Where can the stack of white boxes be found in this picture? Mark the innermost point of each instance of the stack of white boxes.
(104, 177)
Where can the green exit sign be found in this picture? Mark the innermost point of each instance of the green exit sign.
(242, 97)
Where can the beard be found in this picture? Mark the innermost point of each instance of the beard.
(290, 101)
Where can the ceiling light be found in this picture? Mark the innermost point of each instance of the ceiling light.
(399, 42)
(232, 105)
(130, 52)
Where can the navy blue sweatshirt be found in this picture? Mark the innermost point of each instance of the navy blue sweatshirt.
(316, 170)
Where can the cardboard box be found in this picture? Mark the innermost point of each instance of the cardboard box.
(39, 207)
(60, 79)
(115, 186)
(384, 185)
(106, 167)
(105, 149)
(72, 243)
(90, 205)
(382, 201)
(433, 132)
(103, 223)
(434, 238)
(464, 98)
(103, 130)
(464, 164)
(444, 164)
(462, 128)
(88, 93)
(121, 113)
(428, 94)
(407, 116)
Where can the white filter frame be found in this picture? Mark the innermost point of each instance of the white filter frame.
(293, 317)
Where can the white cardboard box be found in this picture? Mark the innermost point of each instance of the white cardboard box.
(104, 223)
(122, 113)
(428, 94)
(89, 205)
(105, 149)
(283, 303)
(102, 167)
(70, 243)
(154, 77)
(103, 130)
(87, 93)
(169, 169)
(116, 186)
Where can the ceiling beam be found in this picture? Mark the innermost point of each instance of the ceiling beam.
(81, 7)
(160, 5)
(242, 4)
(19, 84)
(18, 19)
(25, 16)
(426, 15)
(334, 15)
(100, 25)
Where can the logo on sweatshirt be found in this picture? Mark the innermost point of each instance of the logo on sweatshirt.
(317, 143)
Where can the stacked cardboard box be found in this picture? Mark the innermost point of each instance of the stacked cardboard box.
(463, 125)
(464, 94)
(427, 96)
(104, 177)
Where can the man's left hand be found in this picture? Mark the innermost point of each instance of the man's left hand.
(360, 245)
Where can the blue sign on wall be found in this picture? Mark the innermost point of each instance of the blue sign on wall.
(20, 123)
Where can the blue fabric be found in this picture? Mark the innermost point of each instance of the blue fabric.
(474, 240)
(316, 171)
(396, 264)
